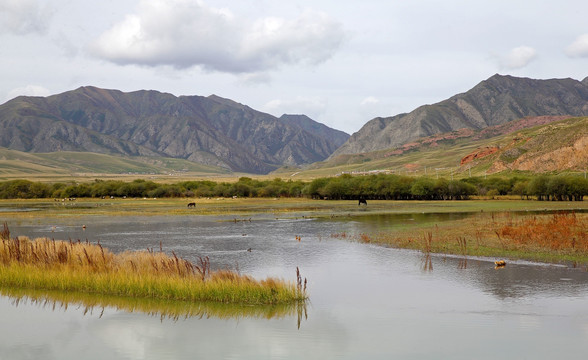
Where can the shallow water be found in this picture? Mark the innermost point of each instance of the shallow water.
(365, 301)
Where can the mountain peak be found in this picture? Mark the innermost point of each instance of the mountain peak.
(207, 130)
(497, 100)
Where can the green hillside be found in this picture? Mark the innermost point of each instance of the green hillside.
(20, 164)
(557, 146)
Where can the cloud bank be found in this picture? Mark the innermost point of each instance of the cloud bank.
(23, 17)
(579, 48)
(370, 100)
(183, 33)
(28, 90)
(518, 57)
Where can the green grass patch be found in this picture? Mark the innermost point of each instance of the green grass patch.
(82, 267)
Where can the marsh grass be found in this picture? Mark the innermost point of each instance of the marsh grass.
(83, 267)
(560, 232)
(245, 207)
(5, 233)
(557, 238)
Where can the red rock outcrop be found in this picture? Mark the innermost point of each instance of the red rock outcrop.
(478, 154)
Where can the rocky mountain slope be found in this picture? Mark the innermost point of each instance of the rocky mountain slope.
(495, 101)
(533, 144)
(337, 137)
(207, 130)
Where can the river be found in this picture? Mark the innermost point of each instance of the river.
(366, 301)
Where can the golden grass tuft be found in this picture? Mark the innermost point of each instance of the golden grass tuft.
(80, 266)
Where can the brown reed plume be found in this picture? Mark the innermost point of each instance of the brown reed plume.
(463, 245)
(299, 285)
(427, 247)
(5, 233)
(203, 266)
(364, 238)
(428, 242)
(560, 231)
(463, 249)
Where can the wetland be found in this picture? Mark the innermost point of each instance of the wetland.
(366, 298)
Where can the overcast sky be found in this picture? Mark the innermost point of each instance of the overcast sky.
(340, 62)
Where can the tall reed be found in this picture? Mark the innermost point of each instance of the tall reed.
(560, 231)
(81, 266)
(427, 247)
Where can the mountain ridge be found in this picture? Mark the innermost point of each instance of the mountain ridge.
(494, 101)
(532, 144)
(208, 130)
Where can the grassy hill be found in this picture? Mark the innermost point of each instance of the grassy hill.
(17, 164)
(554, 144)
(538, 144)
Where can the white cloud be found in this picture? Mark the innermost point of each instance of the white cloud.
(29, 90)
(310, 106)
(255, 78)
(518, 57)
(23, 17)
(183, 33)
(370, 100)
(579, 48)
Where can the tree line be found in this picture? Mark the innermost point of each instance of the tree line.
(344, 187)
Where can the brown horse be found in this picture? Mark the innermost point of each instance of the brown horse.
(192, 205)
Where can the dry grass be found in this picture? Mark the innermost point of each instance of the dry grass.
(560, 237)
(81, 266)
(560, 232)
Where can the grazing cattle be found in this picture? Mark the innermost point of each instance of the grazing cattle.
(362, 201)
(192, 205)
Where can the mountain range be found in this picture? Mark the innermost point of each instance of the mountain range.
(531, 144)
(494, 101)
(207, 130)
(224, 135)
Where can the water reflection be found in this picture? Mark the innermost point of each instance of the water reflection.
(92, 304)
(516, 280)
(367, 301)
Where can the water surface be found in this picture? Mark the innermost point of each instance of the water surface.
(366, 301)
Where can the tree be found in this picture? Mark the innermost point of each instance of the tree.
(521, 188)
(315, 188)
(538, 187)
(423, 188)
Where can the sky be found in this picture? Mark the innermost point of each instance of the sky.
(342, 63)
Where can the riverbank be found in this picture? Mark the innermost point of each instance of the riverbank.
(285, 207)
(559, 237)
(485, 234)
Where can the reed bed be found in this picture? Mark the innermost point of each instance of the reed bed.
(83, 267)
(562, 231)
(557, 238)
